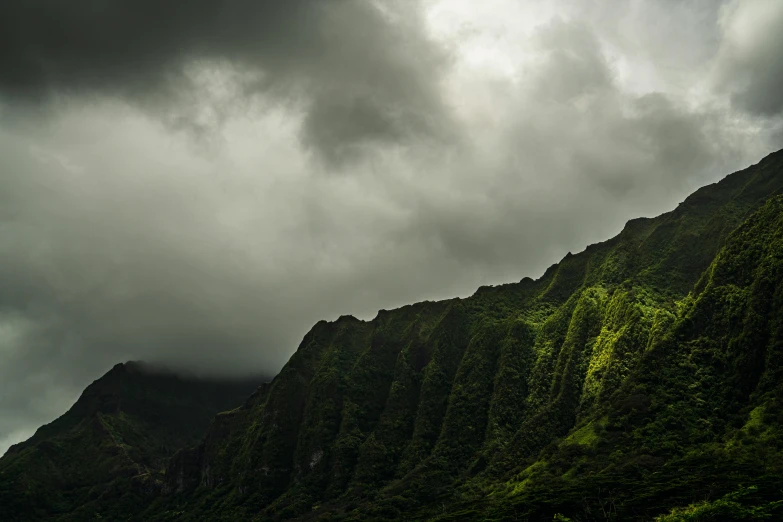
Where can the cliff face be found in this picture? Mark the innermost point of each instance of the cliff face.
(107, 453)
(639, 375)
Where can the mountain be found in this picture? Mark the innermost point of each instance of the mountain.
(639, 379)
(111, 447)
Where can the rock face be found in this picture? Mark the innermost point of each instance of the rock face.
(111, 447)
(633, 379)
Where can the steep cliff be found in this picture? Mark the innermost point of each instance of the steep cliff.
(632, 378)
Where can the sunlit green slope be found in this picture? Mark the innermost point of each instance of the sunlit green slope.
(635, 377)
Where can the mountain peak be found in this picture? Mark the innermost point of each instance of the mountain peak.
(125, 424)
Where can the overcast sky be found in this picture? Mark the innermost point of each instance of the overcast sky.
(197, 182)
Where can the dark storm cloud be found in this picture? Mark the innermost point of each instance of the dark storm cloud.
(574, 139)
(366, 74)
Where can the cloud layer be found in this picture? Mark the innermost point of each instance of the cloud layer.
(362, 75)
(197, 183)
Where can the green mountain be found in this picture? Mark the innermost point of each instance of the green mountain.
(108, 452)
(640, 379)
(639, 376)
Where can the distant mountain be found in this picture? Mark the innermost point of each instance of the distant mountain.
(111, 447)
(639, 379)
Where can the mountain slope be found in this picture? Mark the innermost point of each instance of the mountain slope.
(698, 416)
(111, 447)
(586, 392)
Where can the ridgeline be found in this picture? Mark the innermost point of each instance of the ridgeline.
(641, 379)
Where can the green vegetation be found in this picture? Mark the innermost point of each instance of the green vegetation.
(640, 378)
(106, 456)
(733, 506)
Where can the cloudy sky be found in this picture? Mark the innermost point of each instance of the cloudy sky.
(197, 182)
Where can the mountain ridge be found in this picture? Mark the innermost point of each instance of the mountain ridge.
(636, 379)
(458, 360)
